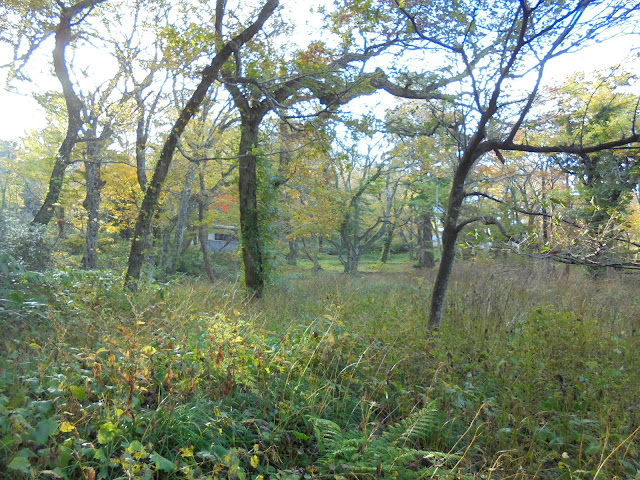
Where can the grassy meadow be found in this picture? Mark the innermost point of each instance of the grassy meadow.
(534, 375)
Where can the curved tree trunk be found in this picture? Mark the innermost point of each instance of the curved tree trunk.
(314, 258)
(74, 107)
(450, 232)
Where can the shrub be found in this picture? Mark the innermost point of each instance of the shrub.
(25, 242)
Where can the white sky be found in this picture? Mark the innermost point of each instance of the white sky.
(20, 112)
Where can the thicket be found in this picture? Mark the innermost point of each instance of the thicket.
(533, 375)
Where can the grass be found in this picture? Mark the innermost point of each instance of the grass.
(326, 376)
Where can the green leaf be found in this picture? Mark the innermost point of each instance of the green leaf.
(42, 406)
(44, 429)
(66, 455)
(162, 463)
(558, 201)
(78, 392)
(100, 456)
(107, 433)
(20, 464)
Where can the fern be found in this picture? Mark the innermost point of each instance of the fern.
(399, 451)
(328, 434)
(416, 429)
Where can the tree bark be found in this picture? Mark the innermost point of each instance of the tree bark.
(152, 194)
(425, 242)
(91, 203)
(450, 232)
(350, 241)
(181, 221)
(60, 222)
(386, 245)
(202, 231)
(313, 258)
(292, 254)
(250, 228)
(141, 144)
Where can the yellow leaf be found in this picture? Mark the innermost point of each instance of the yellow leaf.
(186, 452)
(66, 427)
(148, 350)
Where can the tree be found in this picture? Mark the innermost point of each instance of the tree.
(359, 172)
(68, 18)
(501, 50)
(144, 68)
(591, 110)
(257, 97)
(209, 76)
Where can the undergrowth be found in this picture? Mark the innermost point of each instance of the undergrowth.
(327, 376)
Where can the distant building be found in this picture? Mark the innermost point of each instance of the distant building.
(223, 239)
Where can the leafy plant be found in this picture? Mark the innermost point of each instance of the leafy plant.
(398, 450)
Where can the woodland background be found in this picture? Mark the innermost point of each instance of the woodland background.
(438, 241)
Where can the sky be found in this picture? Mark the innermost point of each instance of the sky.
(20, 112)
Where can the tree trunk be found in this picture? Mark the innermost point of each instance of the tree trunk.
(141, 143)
(353, 258)
(92, 204)
(450, 232)
(292, 254)
(250, 228)
(181, 221)
(202, 232)
(352, 249)
(425, 242)
(313, 258)
(386, 245)
(60, 221)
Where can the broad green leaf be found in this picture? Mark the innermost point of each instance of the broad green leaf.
(78, 392)
(20, 464)
(162, 463)
(44, 429)
(107, 432)
(42, 406)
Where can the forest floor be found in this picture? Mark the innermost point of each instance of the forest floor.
(533, 375)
